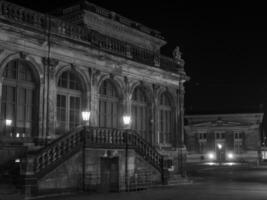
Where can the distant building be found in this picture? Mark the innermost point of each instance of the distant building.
(223, 137)
(86, 65)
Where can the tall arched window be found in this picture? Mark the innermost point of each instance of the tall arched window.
(19, 100)
(140, 113)
(69, 102)
(109, 105)
(165, 119)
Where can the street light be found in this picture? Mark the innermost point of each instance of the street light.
(8, 122)
(86, 117)
(220, 153)
(126, 121)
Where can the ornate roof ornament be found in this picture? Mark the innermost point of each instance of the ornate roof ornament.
(177, 56)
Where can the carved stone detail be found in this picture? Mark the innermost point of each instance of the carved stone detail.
(177, 56)
(51, 63)
(23, 55)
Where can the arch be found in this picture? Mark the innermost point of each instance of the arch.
(168, 94)
(117, 83)
(71, 98)
(81, 75)
(110, 108)
(19, 98)
(145, 88)
(37, 69)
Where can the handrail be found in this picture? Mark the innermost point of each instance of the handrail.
(72, 142)
(58, 27)
(57, 150)
(109, 138)
(146, 150)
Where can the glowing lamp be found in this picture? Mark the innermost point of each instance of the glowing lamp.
(126, 120)
(8, 122)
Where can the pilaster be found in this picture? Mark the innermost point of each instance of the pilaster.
(50, 98)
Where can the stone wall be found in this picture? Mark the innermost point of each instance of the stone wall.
(65, 178)
(140, 172)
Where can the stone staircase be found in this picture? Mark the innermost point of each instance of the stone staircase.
(39, 163)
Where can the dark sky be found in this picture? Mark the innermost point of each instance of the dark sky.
(223, 44)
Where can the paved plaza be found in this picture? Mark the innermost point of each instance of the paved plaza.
(209, 183)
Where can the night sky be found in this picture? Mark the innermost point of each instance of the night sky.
(223, 45)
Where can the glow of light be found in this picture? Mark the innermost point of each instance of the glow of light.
(211, 156)
(126, 119)
(219, 146)
(230, 155)
(211, 163)
(8, 122)
(86, 115)
(17, 160)
(17, 135)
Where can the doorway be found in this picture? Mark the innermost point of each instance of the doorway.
(109, 174)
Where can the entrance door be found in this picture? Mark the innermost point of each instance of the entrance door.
(220, 154)
(110, 174)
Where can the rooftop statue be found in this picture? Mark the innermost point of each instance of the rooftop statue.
(177, 56)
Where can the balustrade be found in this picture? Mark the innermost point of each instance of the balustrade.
(104, 136)
(73, 141)
(57, 150)
(62, 28)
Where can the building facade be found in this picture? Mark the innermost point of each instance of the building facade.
(86, 59)
(223, 137)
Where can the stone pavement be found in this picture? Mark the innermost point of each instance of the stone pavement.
(196, 191)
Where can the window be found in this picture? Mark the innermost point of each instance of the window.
(220, 135)
(69, 102)
(238, 135)
(203, 136)
(19, 100)
(109, 106)
(202, 142)
(140, 114)
(238, 142)
(165, 119)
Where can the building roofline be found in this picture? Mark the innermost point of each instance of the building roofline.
(224, 115)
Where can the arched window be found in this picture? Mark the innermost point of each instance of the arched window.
(109, 105)
(19, 118)
(165, 119)
(140, 114)
(69, 102)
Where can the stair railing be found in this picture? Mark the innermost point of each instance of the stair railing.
(118, 138)
(54, 153)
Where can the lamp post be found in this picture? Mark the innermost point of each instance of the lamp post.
(8, 123)
(126, 122)
(220, 153)
(86, 119)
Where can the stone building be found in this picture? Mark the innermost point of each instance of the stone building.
(86, 59)
(223, 137)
